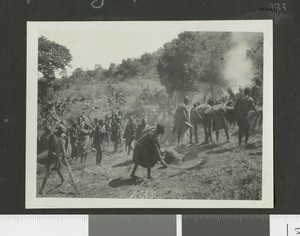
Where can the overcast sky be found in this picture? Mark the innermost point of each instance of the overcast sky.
(104, 47)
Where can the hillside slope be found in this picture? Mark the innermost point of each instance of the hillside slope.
(211, 171)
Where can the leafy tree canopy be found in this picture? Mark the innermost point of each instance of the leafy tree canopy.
(52, 57)
(191, 58)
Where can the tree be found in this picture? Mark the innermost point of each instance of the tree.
(192, 58)
(52, 57)
(111, 71)
(78, 73)
(174, 64)
(129, 68)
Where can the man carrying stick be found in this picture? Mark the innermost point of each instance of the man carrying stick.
(55, 154)
(54, 159)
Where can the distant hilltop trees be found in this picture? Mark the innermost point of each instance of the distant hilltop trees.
(190, 63)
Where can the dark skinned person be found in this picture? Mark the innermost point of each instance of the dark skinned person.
(194, 119)
(129, 134)
(43, 140)
(243, 105)
(182, 119)
(84, 144)
(141, 128)
(55, 154)
(74, 132)
(99, 137)
(116, 133)
(147, 151)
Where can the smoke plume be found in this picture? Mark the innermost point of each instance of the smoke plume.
(238, 68)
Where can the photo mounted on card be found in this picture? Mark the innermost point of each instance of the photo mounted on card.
(165, 114)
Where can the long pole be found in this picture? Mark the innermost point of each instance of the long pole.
(71, 175)
(70, 172)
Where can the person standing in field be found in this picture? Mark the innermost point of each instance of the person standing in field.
(141, 128)
(74, 132)
(194, 121)
(243, 105)
(43, 140)
(216, 114)
(182, 119)
(256, 92)
(129, 134)
(116, 133)
(107, 124)
(84, 144)
(147, 151)
(55, 154)
(98, 140)
(257, 95)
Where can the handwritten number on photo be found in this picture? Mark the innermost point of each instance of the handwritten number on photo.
(95, 3)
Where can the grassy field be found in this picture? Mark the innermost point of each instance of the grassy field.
(204, 171)
(153, 86)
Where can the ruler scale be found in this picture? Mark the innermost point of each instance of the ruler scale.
(285, 225)
(149, 225)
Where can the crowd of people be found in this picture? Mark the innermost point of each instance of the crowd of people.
(77, 141)
(243, 108)
(143, 140)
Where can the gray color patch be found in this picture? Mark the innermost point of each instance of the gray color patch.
(132, 225)
(225, 225)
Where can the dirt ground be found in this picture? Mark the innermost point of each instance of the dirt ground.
(218, 170)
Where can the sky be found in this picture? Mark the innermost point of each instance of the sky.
(104, 47)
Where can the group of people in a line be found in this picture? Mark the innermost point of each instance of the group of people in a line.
(215, 115)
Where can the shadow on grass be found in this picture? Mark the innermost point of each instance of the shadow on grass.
(255, 153)
(198, 166)
(251, 146)
(66, 192)
(115, 183)
(193, 153)
(125, 163)
(219, 151)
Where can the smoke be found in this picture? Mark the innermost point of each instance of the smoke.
(238, 68)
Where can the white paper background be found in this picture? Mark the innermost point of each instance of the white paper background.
(284, 225)
(44, 225)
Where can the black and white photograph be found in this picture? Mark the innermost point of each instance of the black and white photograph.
(149, 114)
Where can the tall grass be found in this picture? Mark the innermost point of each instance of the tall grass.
(239, 179)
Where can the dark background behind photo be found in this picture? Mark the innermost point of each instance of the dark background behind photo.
(13, 18)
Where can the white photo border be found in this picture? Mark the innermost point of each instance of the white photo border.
(33, 28)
